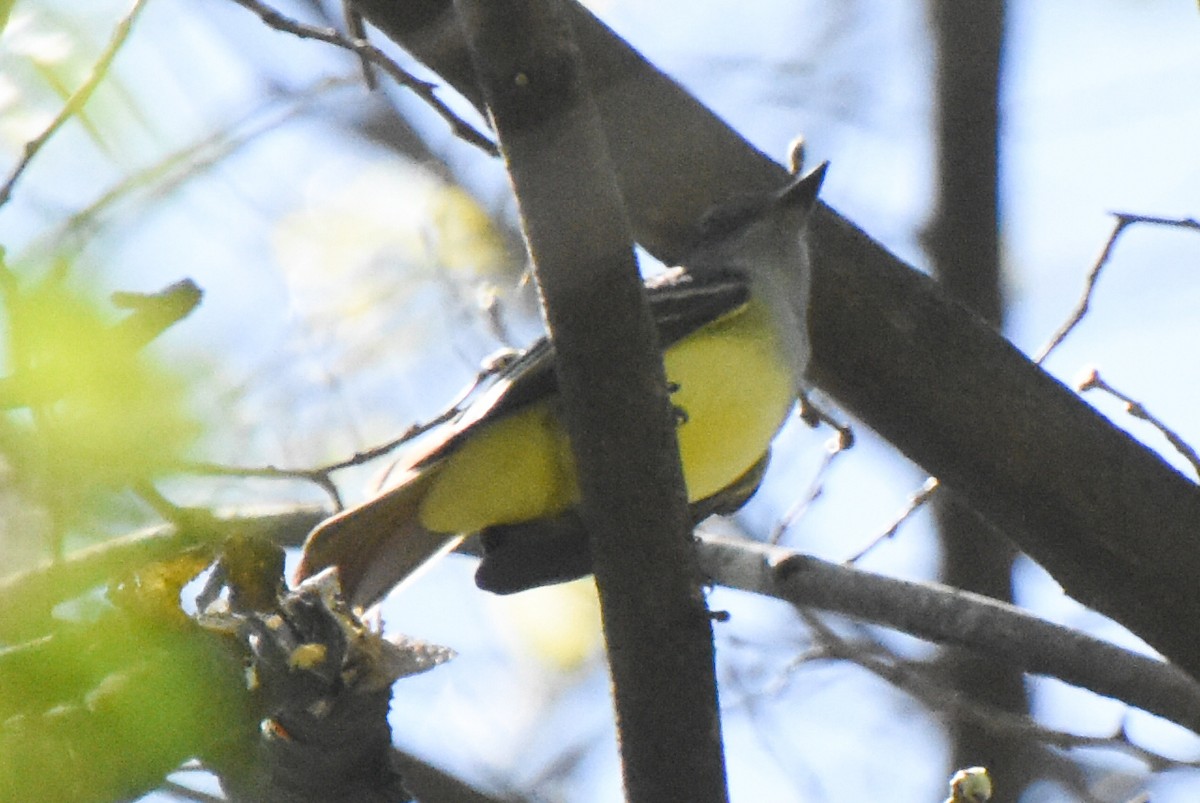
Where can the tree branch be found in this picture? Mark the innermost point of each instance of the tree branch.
(76, 102)
(371, 55)
(995, 630)
(962, 239)
(1110, 520)
(615, 403)
(27, 598)
(1124, 221)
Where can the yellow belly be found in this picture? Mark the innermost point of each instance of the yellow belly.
(733, 385)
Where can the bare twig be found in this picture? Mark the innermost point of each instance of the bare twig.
(1092, 381)
(813, 415)
(915, 502)
(358, 30)
(839, 443)
(318, 476)
(373, 55)
(321, 474)
(175, 168)
(1124, 220)
(915, 678)
(76, 102)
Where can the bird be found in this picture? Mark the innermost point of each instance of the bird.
(732, 322)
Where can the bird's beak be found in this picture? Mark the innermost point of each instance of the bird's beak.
(801, 192)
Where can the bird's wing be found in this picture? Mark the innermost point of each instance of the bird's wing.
(679, 304)
(381, 542)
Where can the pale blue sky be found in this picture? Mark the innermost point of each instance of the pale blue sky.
(1101, 112)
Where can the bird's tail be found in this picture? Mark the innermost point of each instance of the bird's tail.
(378, 544)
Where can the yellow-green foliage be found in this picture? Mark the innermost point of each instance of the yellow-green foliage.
(104, 710)
(88, 410)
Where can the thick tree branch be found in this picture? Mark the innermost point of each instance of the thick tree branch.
(284, 697)
(963, 243)
(614, 398)
(1109, 519)
(27, 598)
(997, 632)
(928, 611)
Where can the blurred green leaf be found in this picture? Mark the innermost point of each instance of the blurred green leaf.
(104, 710)
(45, 58)
(89, 411)
(6, 7)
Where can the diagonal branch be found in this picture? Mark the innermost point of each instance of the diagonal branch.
(1109, 519)
(1124, 221)
(371, 55)
(614, 400)
(28, 597)
(76, 102)
(934, 612)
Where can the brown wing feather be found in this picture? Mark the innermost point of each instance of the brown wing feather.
(381, 542)
(378, 544)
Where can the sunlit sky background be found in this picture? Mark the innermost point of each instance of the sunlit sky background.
(327, 328)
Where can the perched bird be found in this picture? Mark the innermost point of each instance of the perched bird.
(733, 327)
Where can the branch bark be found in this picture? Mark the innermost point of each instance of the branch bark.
(1109, 519)
(937, 613)
(28, 598)
(963, 243)
(997, 632)
(614, 398)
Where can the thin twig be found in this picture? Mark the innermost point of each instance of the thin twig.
(814, 415)
(1124, 220)
(915, 502)
(370, 53)
(182, 792)
(321, 474)
(839, 443)
(358, 30)
(1092, 381)
(76, 102)
(917, 679)
(175, 168)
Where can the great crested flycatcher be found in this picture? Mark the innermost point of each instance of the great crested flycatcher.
(733, 327)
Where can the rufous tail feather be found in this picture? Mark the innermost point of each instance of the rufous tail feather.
(378, 544)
